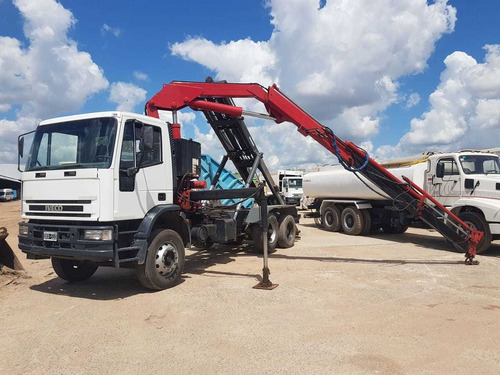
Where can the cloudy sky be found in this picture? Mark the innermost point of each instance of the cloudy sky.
(395, 76)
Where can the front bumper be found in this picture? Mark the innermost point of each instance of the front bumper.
(69, 243)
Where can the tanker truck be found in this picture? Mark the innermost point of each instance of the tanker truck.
(466, 182)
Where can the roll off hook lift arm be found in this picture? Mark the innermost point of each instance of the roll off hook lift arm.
(209, 96)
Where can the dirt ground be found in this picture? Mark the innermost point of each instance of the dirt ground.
(387, 304)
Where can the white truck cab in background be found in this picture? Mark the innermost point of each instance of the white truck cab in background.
(290, 185)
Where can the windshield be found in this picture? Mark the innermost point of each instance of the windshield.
(85, 143)
(479, 164)
(295, 183)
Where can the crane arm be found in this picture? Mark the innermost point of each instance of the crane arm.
(208, 96)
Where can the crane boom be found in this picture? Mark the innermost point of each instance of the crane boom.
(216, 98)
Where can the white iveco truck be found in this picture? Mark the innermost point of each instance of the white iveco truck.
(121, 189)
(468, 183)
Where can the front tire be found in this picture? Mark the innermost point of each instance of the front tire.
(73, 270)
(164, 261)
(476, 221)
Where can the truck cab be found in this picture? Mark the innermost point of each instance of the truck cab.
(95, 188)
(292, 189)
(469, 184)
(122, 190)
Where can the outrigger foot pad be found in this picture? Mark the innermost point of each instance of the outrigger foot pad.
(469, 261)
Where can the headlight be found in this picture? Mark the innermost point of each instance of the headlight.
(98, 234)
(23, 230)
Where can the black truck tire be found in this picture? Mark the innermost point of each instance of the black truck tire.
(286, 232)
(367, 222)
(73, 270)
(164, 261)
(272, 235)
(352, 221)
(477, 221)
(331, 219)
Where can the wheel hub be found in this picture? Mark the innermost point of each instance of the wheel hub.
(166, 260)
(271, 234)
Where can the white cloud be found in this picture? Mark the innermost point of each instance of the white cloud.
(242, 60)
(112, 30)
(126, 95)
(340, 62)
(413, 100)
(140, 76)
(48, 76)
(465, 107)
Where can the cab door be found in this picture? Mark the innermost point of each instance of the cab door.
(145, 177)
(446, 182)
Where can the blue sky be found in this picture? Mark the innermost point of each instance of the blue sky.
(374, 91)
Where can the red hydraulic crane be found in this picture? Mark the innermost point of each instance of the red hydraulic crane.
(212, 97)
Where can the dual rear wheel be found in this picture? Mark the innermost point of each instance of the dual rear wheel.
(351, 220)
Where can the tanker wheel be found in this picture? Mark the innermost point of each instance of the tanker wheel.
(331, 219)
(476, 221)
(73, 270)
(287, 232)
(352, 221)
(367, 222)
(272, 235)
(164, 261)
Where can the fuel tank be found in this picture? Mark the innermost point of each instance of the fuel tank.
(338, 183)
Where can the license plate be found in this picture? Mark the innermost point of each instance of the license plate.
(50, 236)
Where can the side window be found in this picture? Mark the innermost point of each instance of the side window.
(127, 159)
(151, 156)
(141, 147)
(449, 167)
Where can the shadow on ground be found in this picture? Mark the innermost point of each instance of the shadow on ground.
(111, 283)
(421, 240)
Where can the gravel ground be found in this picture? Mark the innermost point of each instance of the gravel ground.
(387, 304)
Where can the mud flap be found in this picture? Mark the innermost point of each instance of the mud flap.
(7, 256)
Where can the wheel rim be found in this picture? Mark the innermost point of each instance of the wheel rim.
(470, 224)
(271, 234)
(348, 221)
(329, 219)
(167, 259)
(289, 230)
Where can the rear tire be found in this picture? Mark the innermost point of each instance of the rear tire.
(73, 270)
(352, 221)
(331, 219)
(367, 222)
(164, 261)
(287, 232)
(476, 221)
(272, 235)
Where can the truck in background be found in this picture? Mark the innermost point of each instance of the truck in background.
(466, 182)
(290, 185)
(6, 195)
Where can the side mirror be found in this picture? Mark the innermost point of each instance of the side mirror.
(20, 146)
(440, 170)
